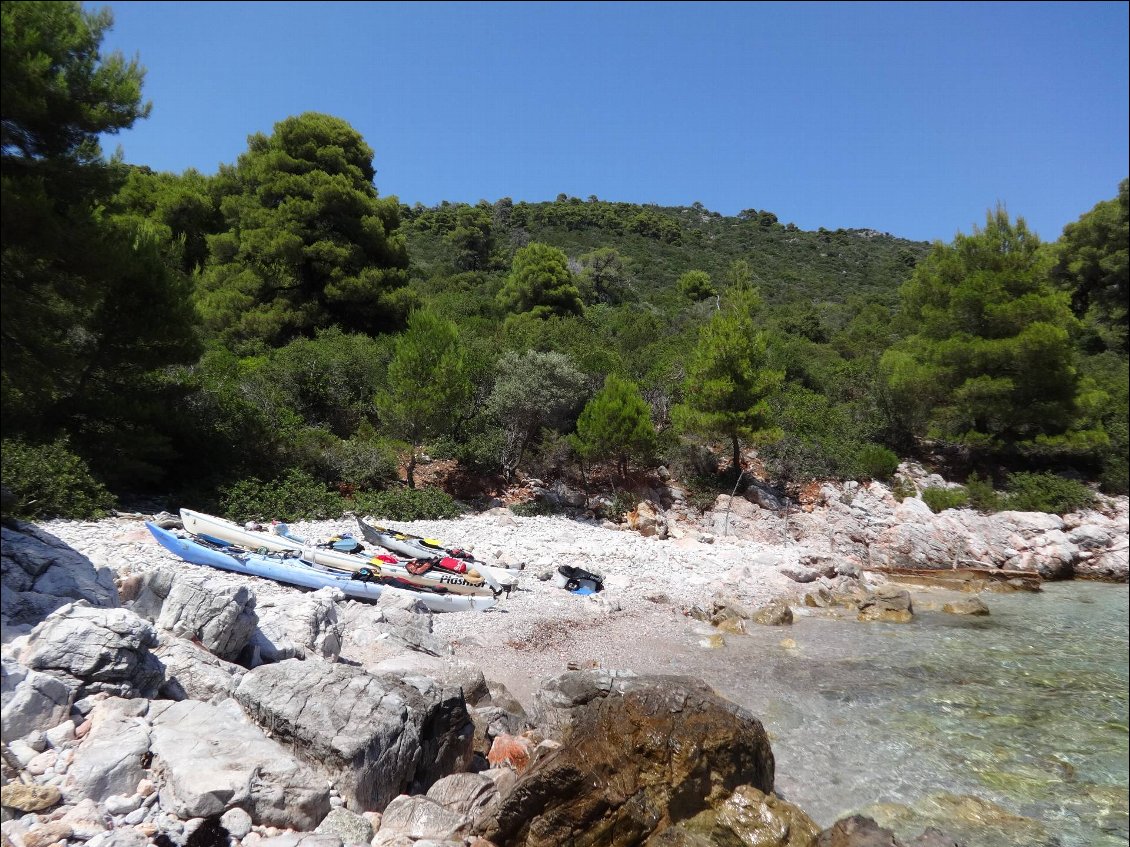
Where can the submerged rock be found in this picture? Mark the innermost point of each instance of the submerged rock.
(967, 606)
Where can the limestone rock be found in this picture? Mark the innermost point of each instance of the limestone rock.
(32, 700)
(967, 606)
(218, 615)
(109, 759)
(465, 793)
(856, 831)
(750, 818)
(558, 699)
(102, 650)
(889, 604)
(29, 798)
(214, 759)
(419, 818)
(302, 627)
(40, 573)
(775, 613)
(192, 673)
(349, 827)
(379, 736)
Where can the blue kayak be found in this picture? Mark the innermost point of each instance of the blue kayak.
(367, 584)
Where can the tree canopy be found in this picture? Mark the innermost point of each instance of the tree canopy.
(91, 310)
(729, 382)
(615, 422)
(540, 283)
(988, 362)
(307, 244)
(427, 383)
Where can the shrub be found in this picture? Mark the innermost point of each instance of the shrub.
(982, 496)
(622, 503)
(1046, 492)
(940, 499)
(902, 489)
(408, 504)
(877, 462)
(49, 481)
(294, 496)
(534, 508)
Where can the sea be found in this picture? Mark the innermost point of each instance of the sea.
(1009, 730)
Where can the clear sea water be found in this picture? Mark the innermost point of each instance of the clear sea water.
(1025, 709)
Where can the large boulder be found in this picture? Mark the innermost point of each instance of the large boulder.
(747, 818)
(211, 611)
(299, 627)
(32, 701)
(192, 673)
(96, 650)
(378, 735)
(634, 764)
(212, 759)
(40, 573)
(110, 760)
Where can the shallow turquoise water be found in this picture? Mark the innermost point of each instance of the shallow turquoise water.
(1027, 709)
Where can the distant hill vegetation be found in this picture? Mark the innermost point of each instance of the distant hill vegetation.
(280, 338)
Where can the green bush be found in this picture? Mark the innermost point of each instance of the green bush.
(877, 462)
(408, 504)
(534, 508)
(982, 496)
(940, 499)
(622, 503)
(49, 481)
(902, 489)
(294, 496)
(1046, 492)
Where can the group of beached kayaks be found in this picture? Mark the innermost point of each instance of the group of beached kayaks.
(443, 579)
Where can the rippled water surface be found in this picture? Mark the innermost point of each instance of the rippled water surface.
(1026, 709)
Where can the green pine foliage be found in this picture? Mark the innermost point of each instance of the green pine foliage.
(541, 284)
(729, 382)
(988, 363)
(306, 244)
(427, 384)
(616, 422)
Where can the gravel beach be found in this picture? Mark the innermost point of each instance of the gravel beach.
(540, 629)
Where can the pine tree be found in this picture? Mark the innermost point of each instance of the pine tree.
(729, 382)
(427, 383)
(308, 244)
(540, 283)
(615, 422)
(989, 364)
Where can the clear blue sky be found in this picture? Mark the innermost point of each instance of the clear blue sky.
(912, 118)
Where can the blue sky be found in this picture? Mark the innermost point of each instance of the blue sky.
(914, 119)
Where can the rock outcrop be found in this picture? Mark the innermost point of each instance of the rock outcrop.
(376, 736)
(40, 574)
(634, 763)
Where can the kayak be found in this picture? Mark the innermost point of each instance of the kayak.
(289, 568)
(421, 574)
(416, 546)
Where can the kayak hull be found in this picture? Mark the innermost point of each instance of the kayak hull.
(294, 571)
(198, 523)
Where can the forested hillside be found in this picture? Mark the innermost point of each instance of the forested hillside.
(283, 330)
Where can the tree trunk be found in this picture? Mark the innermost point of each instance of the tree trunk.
(410, 471)
(737, 455)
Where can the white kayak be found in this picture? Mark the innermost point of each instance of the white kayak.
(212, 527)
(289, 569)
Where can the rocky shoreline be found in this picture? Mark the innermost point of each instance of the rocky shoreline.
(146, 701)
